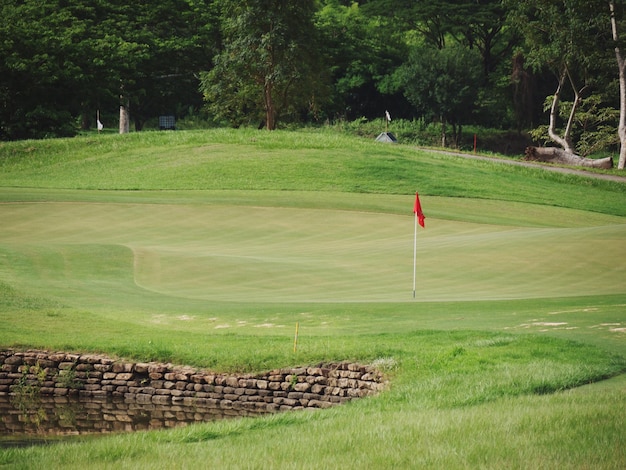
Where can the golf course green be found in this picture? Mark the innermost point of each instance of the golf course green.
(208, 247)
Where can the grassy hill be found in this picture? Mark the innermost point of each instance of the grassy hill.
(207, 247)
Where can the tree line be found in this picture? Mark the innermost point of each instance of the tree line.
(551, 66)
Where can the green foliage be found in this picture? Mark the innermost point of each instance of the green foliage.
(26, 389)
(442, 84)
(65, 61)
(563, 32)
(360, 51)
(569, 38)
(269, 67)
(595, 125)
(67, 379)
(276, 63)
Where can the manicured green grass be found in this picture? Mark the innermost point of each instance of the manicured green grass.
(287, 161)
(206, 248)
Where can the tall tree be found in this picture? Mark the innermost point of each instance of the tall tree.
(621, 66)
(174, 40)
(62, 60)
(40, 69)
(479, 24)
(269, 64)
(442, 84)
(568, 37)
(152, 52)
(361, 51)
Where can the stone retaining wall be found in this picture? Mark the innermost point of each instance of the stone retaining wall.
(157, 386)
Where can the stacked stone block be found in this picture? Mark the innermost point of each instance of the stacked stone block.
(166, 389)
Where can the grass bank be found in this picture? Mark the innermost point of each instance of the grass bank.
(287, 161)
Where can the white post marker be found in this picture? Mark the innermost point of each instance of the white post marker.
(295, 339)
(419, 218)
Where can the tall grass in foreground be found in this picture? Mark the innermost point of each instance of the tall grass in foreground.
(456, 400)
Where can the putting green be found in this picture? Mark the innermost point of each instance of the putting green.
(212, 250)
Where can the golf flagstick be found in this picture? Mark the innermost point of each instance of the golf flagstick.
(414, 254)
(419, 217)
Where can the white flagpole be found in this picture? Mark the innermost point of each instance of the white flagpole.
(414, 254)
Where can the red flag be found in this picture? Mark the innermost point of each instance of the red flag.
(417, 209)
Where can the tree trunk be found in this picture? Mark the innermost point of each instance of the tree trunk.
(270, 112)
(124, 111)
(444, 137)
(621, 65)
(139, 123)
(124, 120)
(85, 122)
(455, 137)
(557, 155)
(564, 141)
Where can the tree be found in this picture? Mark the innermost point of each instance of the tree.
(442, 84)
(478, 25)
(62, 60)
(152, 52)
(621, 66)
(563, 35)
(269, 65)
(439, 23)
(180, 37)
(40, 70)
(360, 51)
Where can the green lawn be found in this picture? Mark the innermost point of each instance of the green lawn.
(207, 247)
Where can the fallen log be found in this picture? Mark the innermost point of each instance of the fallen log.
(557, 155)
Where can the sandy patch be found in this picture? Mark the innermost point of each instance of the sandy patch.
(553, 325)
(578, 310)
(268, 325)
(611, 326)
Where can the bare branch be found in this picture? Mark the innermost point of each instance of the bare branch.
(554, 112)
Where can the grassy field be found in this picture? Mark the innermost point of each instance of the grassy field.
(207, 247)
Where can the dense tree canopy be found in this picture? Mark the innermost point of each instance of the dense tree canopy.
(269, 64)
(572, 40)
(483, 62)
(442, 84)
(63, 60)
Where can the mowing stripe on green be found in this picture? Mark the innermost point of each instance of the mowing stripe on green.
(229, 252)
